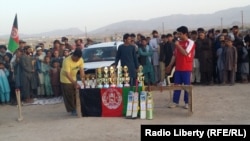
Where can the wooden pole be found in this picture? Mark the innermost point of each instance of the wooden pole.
(78, 103)
(18, 98)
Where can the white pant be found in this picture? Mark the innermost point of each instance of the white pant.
(196, 74)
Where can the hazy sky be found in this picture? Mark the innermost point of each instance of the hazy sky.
(36, 16)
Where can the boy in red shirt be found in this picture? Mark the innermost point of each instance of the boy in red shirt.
(183, 60)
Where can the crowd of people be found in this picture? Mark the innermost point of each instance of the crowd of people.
(33, 71)
(218, 57)
(221, 56)
(200, 57)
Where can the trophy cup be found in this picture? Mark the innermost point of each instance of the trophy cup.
(99, 78)
(126, 76)
(106, 79)
(112, 77)
(87, 81)
(120, 79)
(93, 81)
(140, 77)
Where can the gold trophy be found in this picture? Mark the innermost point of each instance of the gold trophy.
(87, 81)
(140, 76)
(126, 76)
(99, 78)
(112, 77)
(120, 78)
(105, 78)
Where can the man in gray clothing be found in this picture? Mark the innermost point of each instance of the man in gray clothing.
(27, 74)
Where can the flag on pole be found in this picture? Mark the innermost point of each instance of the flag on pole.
(14, 37)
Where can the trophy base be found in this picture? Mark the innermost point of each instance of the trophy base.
(120, 85)
(99, 86)
(126, 85)
(87, 87)
(106, 86)
(113, 85)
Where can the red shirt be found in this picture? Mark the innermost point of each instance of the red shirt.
(185, 62)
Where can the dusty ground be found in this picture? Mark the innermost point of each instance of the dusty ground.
(211, 105)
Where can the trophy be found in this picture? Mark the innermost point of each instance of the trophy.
(120, 78)
(99, 78)
(112, 77)
(87, 81)
(126, 76)
(105, 78)
(140, 76)
(93, 81)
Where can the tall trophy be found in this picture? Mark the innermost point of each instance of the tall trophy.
(126, 76)
(140, 76)
(99, 78)
(112, 77)
(105, 78)
(87, 81)
(93, 81)
(120, 78)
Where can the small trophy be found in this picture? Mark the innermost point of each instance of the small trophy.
(120, 79)
(105, 78)
(87, 81)
(126, 76)
(140, 76)
(99, 78)
(93, 81)
(112, 77)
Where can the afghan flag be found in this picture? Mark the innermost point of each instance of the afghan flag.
(91, 102)
(111, 102)
(14, 37)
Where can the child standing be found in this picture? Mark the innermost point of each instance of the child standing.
(230, 61)
(55, 78)
(4, 84)
(45, 70)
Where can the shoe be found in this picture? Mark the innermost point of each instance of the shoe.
(186, 106)
(73, 113)
(173, 105)
(162, 83)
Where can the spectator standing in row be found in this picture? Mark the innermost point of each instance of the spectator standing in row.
(145, 52)
(230, 61)
(154, 43)
(196, 74)
(27, 69)
(38, 70)
(126, 53)
(55, 78)
(4, 84)
(162, 60)
(46, 66)
(205, 53)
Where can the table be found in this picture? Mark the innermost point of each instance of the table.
(188, 88)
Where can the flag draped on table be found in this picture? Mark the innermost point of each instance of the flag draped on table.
(111, 102)
(91, 102)
(105, 102)
(14, 37)
(125, 91)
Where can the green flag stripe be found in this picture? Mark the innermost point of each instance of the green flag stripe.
(13, 45)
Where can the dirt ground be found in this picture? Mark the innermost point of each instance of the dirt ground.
(211, 105)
